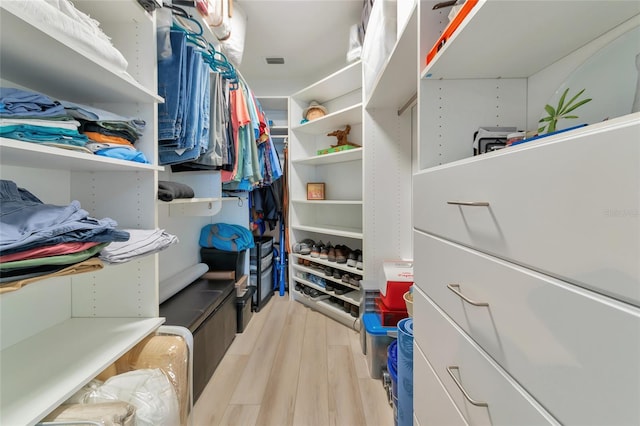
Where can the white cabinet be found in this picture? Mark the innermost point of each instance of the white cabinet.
(526, 259)
(338, 218)
(57, 334)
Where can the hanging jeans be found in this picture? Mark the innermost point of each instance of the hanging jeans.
(192, 144)
(172, 86)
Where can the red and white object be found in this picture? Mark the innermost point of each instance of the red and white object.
(398, 278)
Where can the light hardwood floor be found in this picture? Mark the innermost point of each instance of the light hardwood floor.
(293, 366)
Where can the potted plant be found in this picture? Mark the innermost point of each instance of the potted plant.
(561, 111)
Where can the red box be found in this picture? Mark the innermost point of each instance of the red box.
(451, 28)
(399, 277)
(389, 317)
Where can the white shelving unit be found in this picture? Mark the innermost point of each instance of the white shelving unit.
(339, 218)
(57, 334)
(513, 325)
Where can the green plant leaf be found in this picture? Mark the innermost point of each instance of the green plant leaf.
(576, 106)
(565, 109)
(552, 126)
(570, 116)
(541, 129)
(545, 119)
(561, 102)
(550, 110)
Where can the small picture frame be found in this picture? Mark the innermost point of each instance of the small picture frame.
(315, 191)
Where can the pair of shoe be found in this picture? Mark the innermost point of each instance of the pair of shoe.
(351, 280)
(304, 246)
(354, 259)
(316, 248)
(342, 253)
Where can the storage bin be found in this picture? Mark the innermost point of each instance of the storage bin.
(243, 309)
(264, 287)
(221, 260)
(265, 262)
(378, 340)
(389, 317)
(263, 245)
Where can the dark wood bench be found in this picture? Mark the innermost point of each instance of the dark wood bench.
(207, 308)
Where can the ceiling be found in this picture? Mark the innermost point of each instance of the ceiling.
(311, 35)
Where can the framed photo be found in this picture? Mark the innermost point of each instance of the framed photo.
(315, 191)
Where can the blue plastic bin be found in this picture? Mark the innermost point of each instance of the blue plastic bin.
(377, 342)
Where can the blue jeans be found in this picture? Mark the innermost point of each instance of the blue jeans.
(25, 222)
(172, 84)
(190, 147)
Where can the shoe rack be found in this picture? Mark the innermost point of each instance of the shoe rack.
(338, 218)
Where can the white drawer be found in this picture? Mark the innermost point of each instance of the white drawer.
(569, 208)
(432, 405)
(576, 352)
(446, 346)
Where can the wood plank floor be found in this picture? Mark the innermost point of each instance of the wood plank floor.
(293, 366)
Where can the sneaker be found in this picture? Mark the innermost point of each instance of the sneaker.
(315, 250)
(324, 251)
(336, 274)
(340, 290)
(304, 246)
(359, 264)
(342, 252)
(352, 258)
(328, 271)
(354, 311)
(329, 286)
(331, 254)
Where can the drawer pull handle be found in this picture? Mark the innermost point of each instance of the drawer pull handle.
(463, 297)
(470, 203)
(464, 392)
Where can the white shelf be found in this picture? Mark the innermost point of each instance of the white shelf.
(336, 265)
(321, 273)
(71, 74)
(41, 372)
(330, 122)
(350, 297)
(337, 84)
(329, 202)
(27, 154)
(516, 39)
(194, 206)
(279, 131)
(332, 230)
(329, 309)
(332, 158)
(397, 81)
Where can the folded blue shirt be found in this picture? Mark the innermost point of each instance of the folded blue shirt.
(19, 102)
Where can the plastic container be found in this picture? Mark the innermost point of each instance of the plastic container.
(389, 317)
(221, 260)
(265, 262)
(392, 368)
(399, 277)
(263, 245)
(378, 340)
(243, 309)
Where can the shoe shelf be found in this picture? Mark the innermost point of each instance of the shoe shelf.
(336, 265)
(328, 308)
(333, 230)
(352, 297)
(336, 202)
(326, 277)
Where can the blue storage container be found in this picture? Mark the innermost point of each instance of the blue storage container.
(377, 342)
(392, 367)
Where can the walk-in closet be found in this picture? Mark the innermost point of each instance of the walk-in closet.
(313, 213)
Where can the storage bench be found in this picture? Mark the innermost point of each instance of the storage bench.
(208, 309)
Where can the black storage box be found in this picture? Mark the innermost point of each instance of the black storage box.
(263, 246)
(221, 260)
(206, 308)
(243, 309)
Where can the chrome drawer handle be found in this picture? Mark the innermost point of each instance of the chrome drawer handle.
(469, 203)
(463, 297)
(464, 392)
